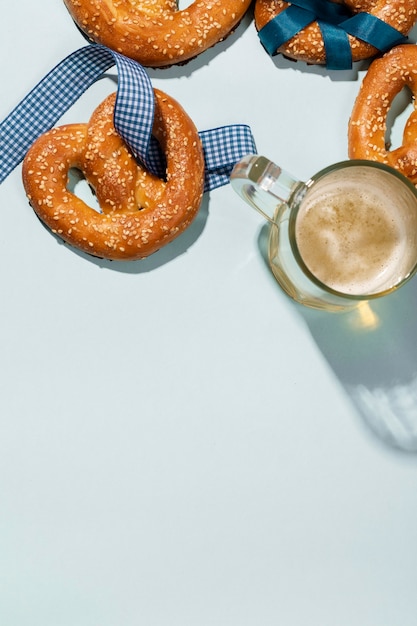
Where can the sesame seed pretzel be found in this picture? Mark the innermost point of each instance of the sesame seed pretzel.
(308, 45)
(154, 32)
(140, 213)
(385, 78)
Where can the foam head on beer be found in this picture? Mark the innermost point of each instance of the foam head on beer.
(358, 234)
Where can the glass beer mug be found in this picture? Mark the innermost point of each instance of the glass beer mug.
(347, 235)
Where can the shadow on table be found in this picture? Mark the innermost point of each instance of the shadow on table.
(372, 351)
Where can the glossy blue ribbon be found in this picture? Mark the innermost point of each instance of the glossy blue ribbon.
(335, 23)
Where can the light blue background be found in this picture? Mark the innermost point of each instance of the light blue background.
(180, 445)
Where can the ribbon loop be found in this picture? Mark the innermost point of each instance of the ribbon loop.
(337, 45)
(283, 27)
(374, 31)
(133, 116)
(223, 148)
(329, 12)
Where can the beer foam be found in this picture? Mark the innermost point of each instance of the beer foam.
(351, 240)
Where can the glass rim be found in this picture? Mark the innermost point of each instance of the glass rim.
(294, 213)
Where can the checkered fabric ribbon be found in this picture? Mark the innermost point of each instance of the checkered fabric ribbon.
(335, 23)
(133, 117)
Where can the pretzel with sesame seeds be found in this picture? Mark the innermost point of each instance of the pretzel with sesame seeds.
(308, 45)
(156, 33)
(140, 213)
(367, 131)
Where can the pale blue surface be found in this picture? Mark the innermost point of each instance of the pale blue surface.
(179, 443)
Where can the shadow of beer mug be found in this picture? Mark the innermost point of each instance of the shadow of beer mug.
(373, 353)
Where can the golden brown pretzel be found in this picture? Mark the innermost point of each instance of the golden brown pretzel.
(308, 44)
(154, 32)
(384, 79)
(140, 213)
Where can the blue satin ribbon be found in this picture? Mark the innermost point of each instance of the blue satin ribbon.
(374, 31)
(335, 23)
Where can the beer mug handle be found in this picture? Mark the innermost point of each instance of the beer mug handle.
(262, 184)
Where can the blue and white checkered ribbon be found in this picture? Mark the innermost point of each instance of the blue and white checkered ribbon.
(133, 117)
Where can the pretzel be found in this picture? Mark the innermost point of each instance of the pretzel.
(385, 78)
(154, 32)
(308, 45)
(140, 213)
